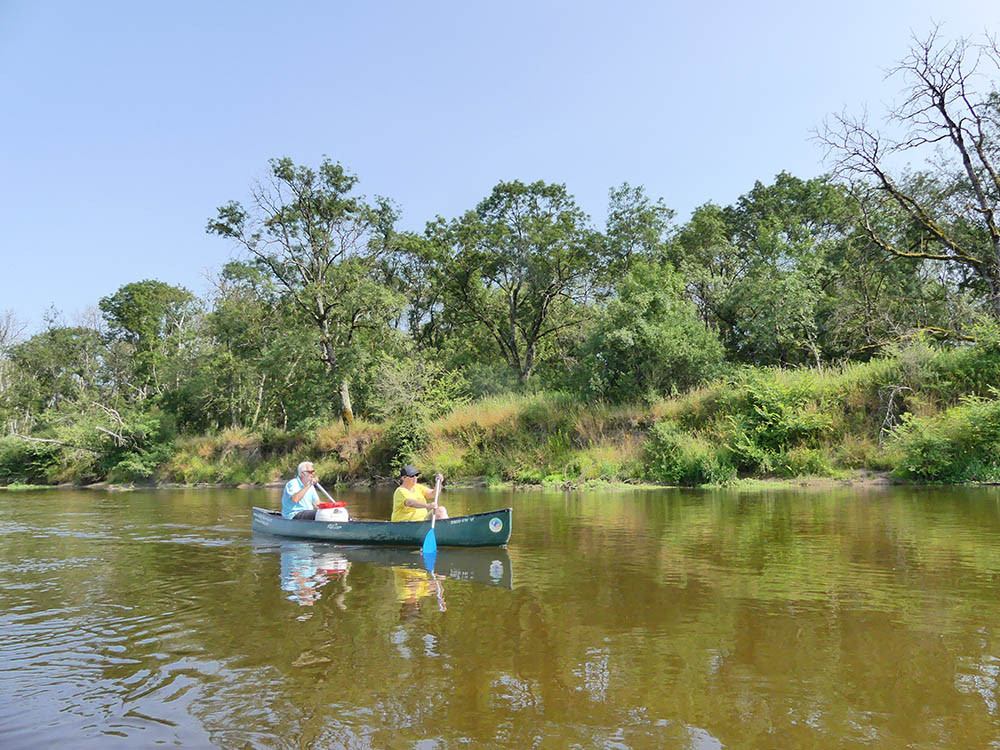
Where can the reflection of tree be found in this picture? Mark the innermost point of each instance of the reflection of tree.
(771, 612)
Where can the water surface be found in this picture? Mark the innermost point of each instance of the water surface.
(618, 619)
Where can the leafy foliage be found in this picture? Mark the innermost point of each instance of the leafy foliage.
(771, 418)
(675, 457)
(960, 445)
(519, 268)
(409, 393)
(648, 341)
(321, 246)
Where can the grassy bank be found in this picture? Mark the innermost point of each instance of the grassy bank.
(924, 414)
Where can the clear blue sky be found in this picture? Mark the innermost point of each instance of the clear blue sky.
(125, 124)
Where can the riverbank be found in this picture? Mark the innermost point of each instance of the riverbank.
(854, 479)
(922, 415)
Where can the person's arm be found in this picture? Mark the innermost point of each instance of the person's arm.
(429, 492)
(413, 502)
(305, 488)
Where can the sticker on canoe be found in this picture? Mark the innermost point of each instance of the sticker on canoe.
(495, 525)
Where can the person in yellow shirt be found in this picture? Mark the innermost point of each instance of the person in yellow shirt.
(413, 501)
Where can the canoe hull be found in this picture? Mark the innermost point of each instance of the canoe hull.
(490, 529)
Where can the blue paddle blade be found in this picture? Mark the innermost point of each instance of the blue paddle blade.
(429, 560)
(430, 544)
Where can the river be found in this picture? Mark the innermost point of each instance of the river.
(848, 617)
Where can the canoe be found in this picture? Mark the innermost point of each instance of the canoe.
(490, 529)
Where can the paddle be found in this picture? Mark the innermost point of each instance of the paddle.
(316, 482)
(430, 541)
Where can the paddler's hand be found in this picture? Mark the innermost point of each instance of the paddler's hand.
(439, 478)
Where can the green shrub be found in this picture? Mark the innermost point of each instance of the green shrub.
(24, 462)
(961, 444)
(146, 441)
(647, 341)
(773, 416)
(673, 457)
(404, 438)
(529, 476)
(277, 442)
(800, 461)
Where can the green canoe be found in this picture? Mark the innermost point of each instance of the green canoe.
(490, 529)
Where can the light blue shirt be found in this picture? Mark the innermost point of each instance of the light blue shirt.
(308, 501)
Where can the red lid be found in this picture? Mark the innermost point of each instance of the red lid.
(329, 505)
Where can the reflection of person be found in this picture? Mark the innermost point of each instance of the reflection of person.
(304, 571)
(410, 500)
(299, 574)
(412, 585)
(299, 499)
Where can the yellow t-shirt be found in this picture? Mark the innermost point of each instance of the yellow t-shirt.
(403, 512)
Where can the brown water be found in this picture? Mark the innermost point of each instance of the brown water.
(665, 619)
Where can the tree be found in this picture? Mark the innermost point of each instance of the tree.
(321, 246)
(648, 340)
(520, 267)
(637, 229)
(758, 270)
(950, 114)
(875, 299)
(250, 374)
(10, 332)
(152, 320)
(58, 366)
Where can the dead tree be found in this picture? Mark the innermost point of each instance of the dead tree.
(950, 212)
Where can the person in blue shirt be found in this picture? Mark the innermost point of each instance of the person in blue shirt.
(299, 499)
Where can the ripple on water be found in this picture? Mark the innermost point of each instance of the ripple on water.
(27, 567)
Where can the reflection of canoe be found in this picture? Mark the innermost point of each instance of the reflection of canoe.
(491, 566)
(479, 565)
(491, 529)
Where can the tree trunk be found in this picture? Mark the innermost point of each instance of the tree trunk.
(330, 362)
(994, 277)
(346, 412)
(260, 401)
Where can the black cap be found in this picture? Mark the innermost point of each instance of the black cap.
(409, 471)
